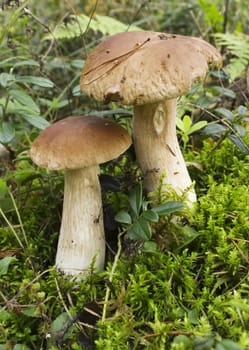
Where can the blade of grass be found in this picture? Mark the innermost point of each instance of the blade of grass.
(12, 229)
(114, 266)
(19, 218)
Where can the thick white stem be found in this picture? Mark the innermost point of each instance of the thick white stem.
(157, 148)
(82, 230)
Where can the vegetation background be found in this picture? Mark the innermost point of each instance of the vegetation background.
(182, 281)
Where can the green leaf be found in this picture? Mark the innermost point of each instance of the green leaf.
(205, 102)
(214, 130)
(179, 124)
(7, 132)
(36, 121)
(60, 322)
(169, 208)
(26, 63)
(150, 215)
(30, 311)
(219, 346)
(59, 329)
(5, 201)
(23, 175)
(182, 339)
(140, 229)
(78, 24)
(39, 81)
(242, 146)
(193, 317)
(6, 79)
(8, 62)
(135, 199)
(197, 126)
(109, 25)
(150, 246)
(77, 91)
(187, 122)
(21, 347)
(240, 130)
(4, 264)
(223, 91)
(4, 314)
(55, 103)
(3, 189)
(225, 113)
(25, 100)
(77, 64)
(123, 217)
(203, 343)
(188, 236)
(236, 67)
(242, 111)
(229, 345)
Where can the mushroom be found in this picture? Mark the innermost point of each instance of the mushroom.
(150, 70)
(78, 145)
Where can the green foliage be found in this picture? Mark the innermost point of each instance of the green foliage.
(231, 125)
(136, 221)
(221, 122)
(212, 13)
(238, 46)
(4, 264)
(187, 127)
(4, 31)
(222, 163)
(17, 103)
(77, 25)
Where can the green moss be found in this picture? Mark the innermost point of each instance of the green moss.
(189, 294)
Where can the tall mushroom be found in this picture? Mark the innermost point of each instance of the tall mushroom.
(150, 70)
(78, 145)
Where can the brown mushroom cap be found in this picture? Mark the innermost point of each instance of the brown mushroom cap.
(77, 142)
(142, 67)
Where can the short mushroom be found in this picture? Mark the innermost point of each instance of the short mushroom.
(150, 70)
(78, 145)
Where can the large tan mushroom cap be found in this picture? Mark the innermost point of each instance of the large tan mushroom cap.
(77, 142)
(136, 68)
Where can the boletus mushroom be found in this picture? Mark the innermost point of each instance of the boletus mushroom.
(150, 70)
(78, 145)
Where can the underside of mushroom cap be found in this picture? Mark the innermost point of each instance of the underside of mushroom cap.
(143, 67)
(79, 141)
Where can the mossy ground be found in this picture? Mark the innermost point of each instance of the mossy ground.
(192, 294)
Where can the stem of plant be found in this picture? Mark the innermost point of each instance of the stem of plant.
(12, 229)
(114, 266)
(19, 218)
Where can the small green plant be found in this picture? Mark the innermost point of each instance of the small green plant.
(229, 124)
(17, 102)
(186, 128)
(220, 122)
(138, 216)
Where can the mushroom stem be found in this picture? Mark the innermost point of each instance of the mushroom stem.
(157, 148)
(82, 230)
